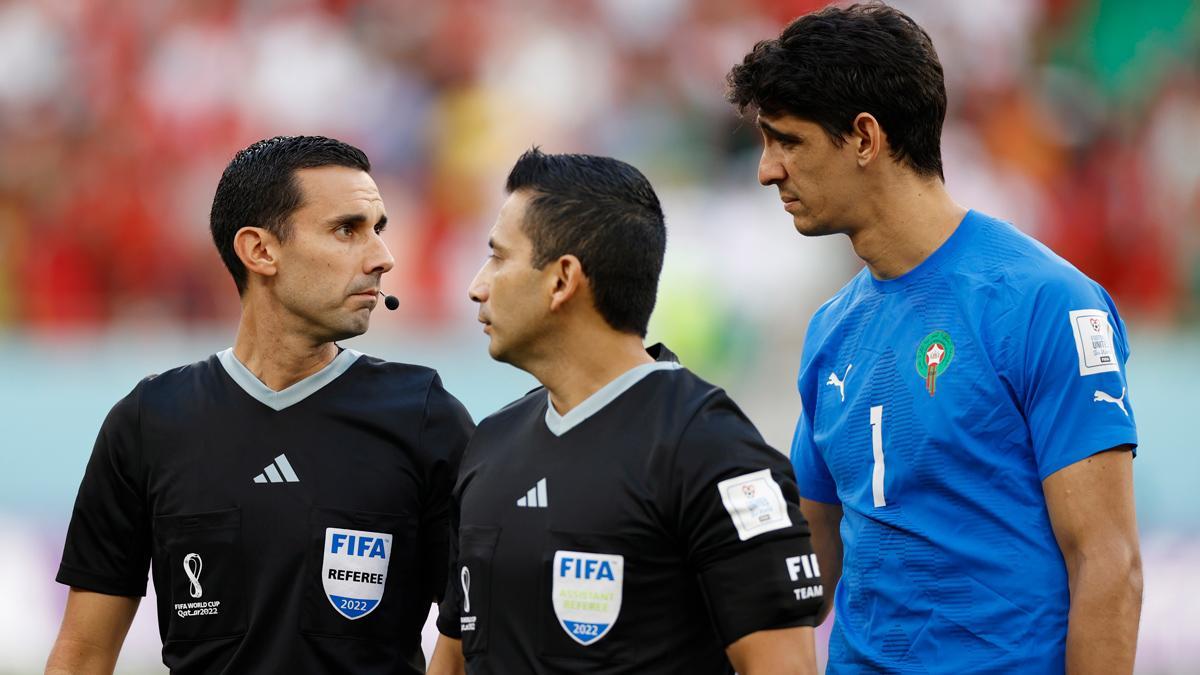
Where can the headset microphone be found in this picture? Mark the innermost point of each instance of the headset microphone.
(390, 301)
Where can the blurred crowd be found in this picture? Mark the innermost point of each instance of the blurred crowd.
(1076, 119)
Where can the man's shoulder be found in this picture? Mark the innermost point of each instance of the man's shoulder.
(167, 387)
(183, 378)
(665, 393)
(688, 390)
(827, 319)
(392, 378)
(532, 404)
(839, 303)
(397, 372)
(680, 405)
(1001, 252)
(406, 386)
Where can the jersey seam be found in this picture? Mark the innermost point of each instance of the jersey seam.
(138, 454)
(1025, 383)
(678, 526)
(984, 352)
(421, 443)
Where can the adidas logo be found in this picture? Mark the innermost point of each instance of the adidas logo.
(279, 471)
(536, 497)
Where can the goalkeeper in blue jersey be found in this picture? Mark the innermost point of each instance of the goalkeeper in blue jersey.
(964, 451)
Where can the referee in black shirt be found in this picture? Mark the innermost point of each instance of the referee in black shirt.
(627, 517)
(291, 497)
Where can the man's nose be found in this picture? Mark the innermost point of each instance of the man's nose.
(478, 288)
(380, 260)
(770, 169)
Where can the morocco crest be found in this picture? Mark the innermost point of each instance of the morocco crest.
(934, 355)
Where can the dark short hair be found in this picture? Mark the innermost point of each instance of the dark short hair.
(259, 189)
(604, 212)
(831, 65)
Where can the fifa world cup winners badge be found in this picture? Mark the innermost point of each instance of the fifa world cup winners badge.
(933, 358)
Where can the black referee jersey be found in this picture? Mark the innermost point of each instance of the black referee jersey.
(300, 531)
(642, 532)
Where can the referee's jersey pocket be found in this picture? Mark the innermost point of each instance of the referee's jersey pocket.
(583, 582)
(360, 574)
(206, 573)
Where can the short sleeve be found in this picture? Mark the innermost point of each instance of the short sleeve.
(445, 432)
(450, 604)
(813, 478)
(108, 541)
(1074, 395)
(736, 505)
(812, 474)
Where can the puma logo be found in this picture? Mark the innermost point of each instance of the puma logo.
(840, 383)
(1119, 402)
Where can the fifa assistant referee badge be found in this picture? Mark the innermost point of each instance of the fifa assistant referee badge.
(934, 355)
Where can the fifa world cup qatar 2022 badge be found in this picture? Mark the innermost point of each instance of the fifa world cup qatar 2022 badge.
(586, 592)
(193, 565)
(934, 355)
(354, 570)
(467, 620)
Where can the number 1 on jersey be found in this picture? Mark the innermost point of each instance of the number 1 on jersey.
(877, 450)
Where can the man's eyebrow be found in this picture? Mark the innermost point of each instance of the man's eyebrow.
(357, 219)
(776, 134)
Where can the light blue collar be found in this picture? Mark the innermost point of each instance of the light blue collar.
(278, 400)
(561, 424)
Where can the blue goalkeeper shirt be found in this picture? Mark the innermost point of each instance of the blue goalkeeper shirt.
(934, 405)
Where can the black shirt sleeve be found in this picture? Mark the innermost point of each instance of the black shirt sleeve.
(450, 607)
(446, 429)
(737, 509)
(109, 541)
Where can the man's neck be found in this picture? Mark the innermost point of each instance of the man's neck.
(277, 356)
(912, 218)
(576, 367)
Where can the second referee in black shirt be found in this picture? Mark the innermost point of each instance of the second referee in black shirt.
(627, 517)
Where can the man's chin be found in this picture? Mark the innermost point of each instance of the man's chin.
(808, 227)
(349, 329)
(496, 352)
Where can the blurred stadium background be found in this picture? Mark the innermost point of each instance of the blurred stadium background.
(1079, 120)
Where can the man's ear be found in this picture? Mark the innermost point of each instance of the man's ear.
(257, 249)
(567, 279)
(867, 137)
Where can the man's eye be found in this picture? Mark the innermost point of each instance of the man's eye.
(346, 230)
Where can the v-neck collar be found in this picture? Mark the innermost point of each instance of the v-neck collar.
(561, 424)
(278, 400)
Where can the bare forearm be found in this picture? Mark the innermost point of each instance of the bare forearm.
(829, 553)
(93, 629)
(781, 651)
(1106, 603)
(74, 656)
(824, 522)
(1091, 510)
(447, 657)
